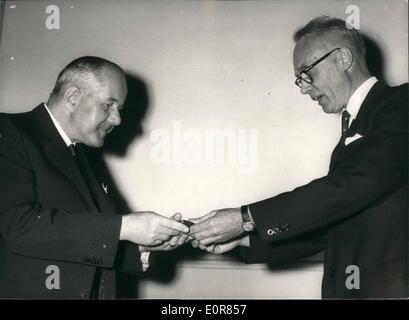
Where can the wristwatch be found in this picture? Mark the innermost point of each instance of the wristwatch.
(246, 224)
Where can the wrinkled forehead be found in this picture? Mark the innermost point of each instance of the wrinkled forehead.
(307, 50)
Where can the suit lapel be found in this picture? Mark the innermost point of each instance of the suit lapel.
(57, 152)
(96, 187)
(364, 119)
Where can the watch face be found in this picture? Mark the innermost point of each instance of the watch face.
(248, 226)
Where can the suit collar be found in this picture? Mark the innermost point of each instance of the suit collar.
(42, 127)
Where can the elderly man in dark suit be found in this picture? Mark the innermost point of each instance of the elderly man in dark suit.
(358, 212)
(59, 233)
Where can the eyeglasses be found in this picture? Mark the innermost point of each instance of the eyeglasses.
(304, 76)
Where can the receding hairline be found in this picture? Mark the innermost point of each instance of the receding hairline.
(84, 72)
(334, 31)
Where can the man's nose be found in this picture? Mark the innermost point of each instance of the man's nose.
(115, 117)
(305, 87)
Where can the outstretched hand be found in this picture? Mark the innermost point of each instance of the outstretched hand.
(217, 226)
(172, 243)
(148, 228)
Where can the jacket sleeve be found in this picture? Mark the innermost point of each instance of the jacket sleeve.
(282, 252)
(31, 230)
(366, 172)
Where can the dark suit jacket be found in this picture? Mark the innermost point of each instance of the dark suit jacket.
(358, 213)
(48, 216)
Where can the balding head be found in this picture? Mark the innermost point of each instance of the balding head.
(84, 72)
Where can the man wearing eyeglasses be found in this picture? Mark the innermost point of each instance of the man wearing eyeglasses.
(358, 212)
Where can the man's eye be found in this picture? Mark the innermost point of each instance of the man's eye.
(106, 106)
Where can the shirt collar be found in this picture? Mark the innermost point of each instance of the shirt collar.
(60, 130)
(359, 95)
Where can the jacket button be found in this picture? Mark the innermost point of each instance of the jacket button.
(272, 232)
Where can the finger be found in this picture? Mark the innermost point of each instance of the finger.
(167, 247)
(167, 231)
(227, 247)
(172, 233)
(211, 249)
(182, 240)
(220, 249)
(205, 248)
(163, 236)
(156, 242)
(174, 225)
(162, 247)
(174, 241)
(209, 241)
(195, 243)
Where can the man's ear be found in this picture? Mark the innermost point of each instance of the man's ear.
(345, 58)
(72, 97)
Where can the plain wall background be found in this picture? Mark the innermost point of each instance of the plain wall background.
(205, 64)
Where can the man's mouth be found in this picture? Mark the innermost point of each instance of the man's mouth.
(316, 98)
(106, 131)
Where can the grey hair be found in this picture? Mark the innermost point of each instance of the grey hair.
(82, 72)
(326, 25)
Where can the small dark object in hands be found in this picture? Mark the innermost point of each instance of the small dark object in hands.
(187, 223)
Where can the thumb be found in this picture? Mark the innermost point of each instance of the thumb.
(177, 216)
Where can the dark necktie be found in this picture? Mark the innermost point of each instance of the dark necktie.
(341, 144)
(344, 124)
(79, 161)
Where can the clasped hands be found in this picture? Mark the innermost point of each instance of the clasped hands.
(216, 232)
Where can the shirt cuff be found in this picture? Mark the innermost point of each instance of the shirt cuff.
(145, 260)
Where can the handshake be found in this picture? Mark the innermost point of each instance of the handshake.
(216, 232)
